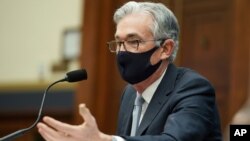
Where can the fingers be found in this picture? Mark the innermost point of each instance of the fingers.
(48, 133)
(85, 113)
(54, 130)
(59, 126)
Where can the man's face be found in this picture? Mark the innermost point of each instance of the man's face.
(135, 27)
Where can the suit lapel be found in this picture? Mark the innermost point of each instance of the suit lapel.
(127, 119)
(159, 98)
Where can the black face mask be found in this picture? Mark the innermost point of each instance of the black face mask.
(136, 67)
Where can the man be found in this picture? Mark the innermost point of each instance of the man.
(161, 102)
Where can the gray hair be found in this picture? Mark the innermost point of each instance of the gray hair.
(165, 24)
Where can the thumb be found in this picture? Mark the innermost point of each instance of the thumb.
(85, 113)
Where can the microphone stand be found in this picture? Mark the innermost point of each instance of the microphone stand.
(20, 132)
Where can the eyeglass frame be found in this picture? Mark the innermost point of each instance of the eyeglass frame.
(118, 44)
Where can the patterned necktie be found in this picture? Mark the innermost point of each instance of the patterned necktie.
(136, 114)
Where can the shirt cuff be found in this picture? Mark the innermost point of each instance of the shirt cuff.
(117, 138)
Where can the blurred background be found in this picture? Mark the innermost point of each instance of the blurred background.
(42, 40)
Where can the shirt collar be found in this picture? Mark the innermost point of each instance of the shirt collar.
(149, 91)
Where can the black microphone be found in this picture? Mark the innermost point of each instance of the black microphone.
(72, 76)
(76, 75)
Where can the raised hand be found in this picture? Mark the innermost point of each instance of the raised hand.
(54, 130)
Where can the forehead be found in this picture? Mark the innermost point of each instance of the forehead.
(137, 24)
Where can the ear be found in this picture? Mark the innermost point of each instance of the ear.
(167, 48)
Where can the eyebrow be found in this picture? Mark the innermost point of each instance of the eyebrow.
(130, 35)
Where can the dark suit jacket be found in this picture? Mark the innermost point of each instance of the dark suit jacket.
(183, 108)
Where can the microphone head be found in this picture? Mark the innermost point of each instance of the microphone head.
(76, 75)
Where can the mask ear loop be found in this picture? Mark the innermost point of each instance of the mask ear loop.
(160, 42)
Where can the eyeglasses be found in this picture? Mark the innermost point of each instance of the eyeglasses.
(129, 45)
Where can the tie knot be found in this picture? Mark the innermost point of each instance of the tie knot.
(139, 100)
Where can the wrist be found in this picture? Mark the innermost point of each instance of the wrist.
(114, 138)
(105, 137)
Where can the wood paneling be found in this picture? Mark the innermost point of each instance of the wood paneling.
(240, 54)
(214, 44)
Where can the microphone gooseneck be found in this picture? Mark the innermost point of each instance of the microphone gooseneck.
(72, 76)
